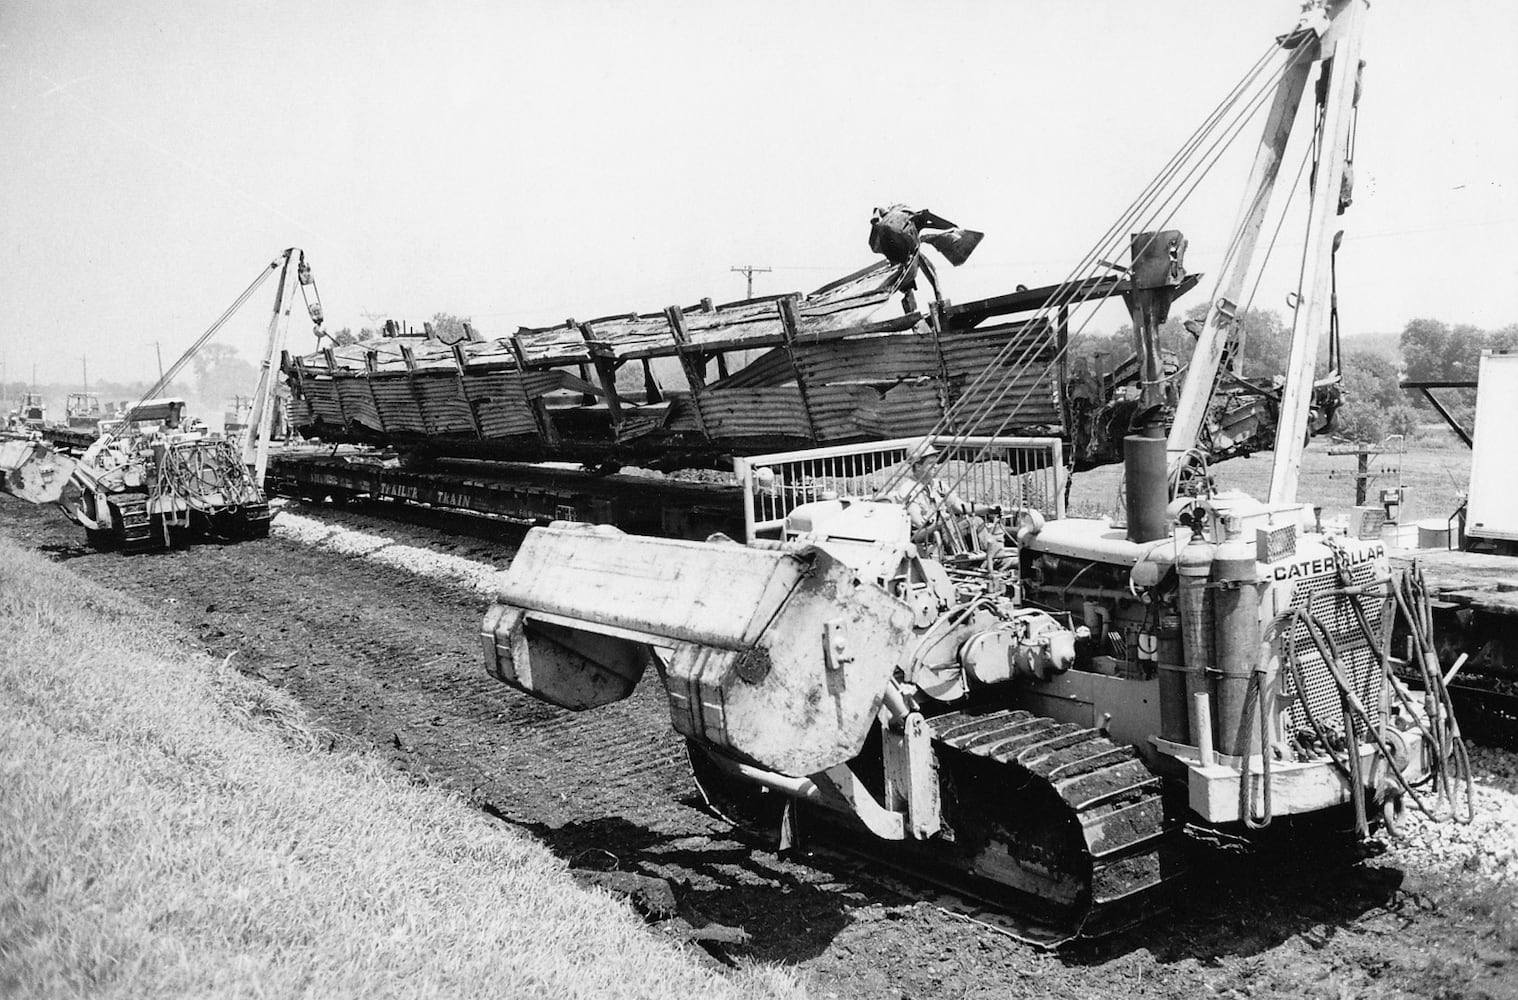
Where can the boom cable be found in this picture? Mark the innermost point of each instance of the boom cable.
(168, 376)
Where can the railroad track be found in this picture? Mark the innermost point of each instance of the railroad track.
(504, 492)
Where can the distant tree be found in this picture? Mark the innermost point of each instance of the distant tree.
(449, 328)
(1374, 404)
(344, 337)
(1434, 351)
(221, 374)
(1267, 341)
(1423, 343)
(1371, 378)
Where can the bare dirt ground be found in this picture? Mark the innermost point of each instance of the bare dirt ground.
(386, 658)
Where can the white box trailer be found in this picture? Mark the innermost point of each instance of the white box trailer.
(1492, 507)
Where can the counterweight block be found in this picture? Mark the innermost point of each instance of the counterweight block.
(779, 656)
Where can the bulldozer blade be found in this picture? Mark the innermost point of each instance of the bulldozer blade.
(33, 471)
(779, 656)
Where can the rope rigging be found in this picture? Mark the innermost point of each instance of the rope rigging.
(1164, 194)
(173, 371)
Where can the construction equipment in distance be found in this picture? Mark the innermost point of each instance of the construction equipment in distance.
(31, 414)
(153, 477)
(150, 479)
(955, 678)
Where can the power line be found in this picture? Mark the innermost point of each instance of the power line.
(748, 271)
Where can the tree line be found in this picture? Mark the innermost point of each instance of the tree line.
(1375, 405)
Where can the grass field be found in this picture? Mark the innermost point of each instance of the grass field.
(169, 828)
(1434, 471)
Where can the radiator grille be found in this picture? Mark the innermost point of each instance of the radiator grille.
(1361, 660)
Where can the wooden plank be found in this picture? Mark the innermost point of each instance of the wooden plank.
(606, 374)
(371, 362)
(790, 324)
(694, 373)
(461, 361)
(421, 410)
(331, 360)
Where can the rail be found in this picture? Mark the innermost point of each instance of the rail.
(1010, 472)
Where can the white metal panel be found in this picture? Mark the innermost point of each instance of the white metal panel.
(1492, 510)
(1013, 471)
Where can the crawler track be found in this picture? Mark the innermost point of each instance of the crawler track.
(133, 525)
(1055, 832)
(389, 661)
(1062, 815)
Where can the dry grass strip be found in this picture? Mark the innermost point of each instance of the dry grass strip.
(169, 828)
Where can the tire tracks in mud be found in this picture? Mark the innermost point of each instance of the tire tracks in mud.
(392, 662)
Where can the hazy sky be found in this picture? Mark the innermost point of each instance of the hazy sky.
(520, 163)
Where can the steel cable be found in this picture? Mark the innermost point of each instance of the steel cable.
(167, 377)
(1069, 292)
(1166, 173)
(1214, 152)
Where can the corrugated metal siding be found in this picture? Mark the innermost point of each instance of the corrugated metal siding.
(868, 359)
(859, 385)
(396, 404)
(443, 403)
(771, 368)
(734, 414)
(301, 414)
(973, 350)
(322, 395)
(500, 404)
(1008, 402)
(357, 404)
(844, 412)
(682, 415)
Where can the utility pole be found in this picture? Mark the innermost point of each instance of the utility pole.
(84, 363)
(374, 317)
(748, 271)
(159, 348)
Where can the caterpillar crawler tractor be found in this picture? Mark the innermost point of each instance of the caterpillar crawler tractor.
(940, 670)
(150, 478)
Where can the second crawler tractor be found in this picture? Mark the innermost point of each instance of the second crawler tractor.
(149, 478)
